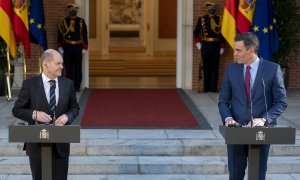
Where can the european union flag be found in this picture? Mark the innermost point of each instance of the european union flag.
(264, 26)
(37, 23)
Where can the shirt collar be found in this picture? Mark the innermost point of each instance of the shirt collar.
(253, 65)
(46, 79)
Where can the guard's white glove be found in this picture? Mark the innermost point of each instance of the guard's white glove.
(61, 50)
(198, 45)
(221, 51)
(83, 51)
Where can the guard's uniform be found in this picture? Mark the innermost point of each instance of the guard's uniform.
(207, 32)
(72, 37)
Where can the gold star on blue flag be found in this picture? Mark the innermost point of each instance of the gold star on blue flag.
(36, 22)
(267, 32)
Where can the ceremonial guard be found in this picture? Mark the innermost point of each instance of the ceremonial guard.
(208, 40)
(72, 44)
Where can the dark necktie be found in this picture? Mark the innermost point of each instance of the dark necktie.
(52, 100)
(247, 82)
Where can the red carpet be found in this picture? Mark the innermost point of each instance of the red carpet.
(136, 108)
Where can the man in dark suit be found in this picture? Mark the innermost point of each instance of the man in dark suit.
(34, 104)
(72, 43)
(247, 83)
(210, 43)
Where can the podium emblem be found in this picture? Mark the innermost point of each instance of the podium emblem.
(260, 136)
(44, 134)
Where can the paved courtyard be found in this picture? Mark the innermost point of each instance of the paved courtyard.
(175, 154)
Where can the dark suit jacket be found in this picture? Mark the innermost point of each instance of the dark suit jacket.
(33, 97)
(233, 100)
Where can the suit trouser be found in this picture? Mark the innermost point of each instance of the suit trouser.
(60, 167)
(238, 158)
(73, 63)
(210, 53)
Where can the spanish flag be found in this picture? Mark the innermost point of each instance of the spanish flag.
(6, 31)
(20, 23)
(245, 15)
(228, 28)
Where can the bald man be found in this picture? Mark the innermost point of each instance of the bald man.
(35, 103)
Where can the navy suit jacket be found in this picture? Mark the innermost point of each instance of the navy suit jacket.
(33, 97)
(233, 101)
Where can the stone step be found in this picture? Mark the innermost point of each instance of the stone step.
(204, 165)
(153, 177)
(149, 147)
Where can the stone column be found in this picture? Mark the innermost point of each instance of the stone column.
(84, 13)
(184, 66)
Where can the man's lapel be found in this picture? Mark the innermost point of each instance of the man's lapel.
(258, 78)
(61, 92)
(241, 80)
(41, 94)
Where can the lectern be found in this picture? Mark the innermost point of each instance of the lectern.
(255, 137)
(46, 135)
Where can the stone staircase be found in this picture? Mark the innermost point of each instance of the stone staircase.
(149, 154)
(132, 67)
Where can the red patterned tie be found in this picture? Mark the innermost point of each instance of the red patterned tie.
(247, 82)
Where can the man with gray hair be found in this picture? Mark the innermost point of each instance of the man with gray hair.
(47, 99)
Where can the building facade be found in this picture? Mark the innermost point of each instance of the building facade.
(157, 36)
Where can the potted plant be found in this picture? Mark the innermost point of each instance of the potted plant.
(288, 25)
(3, 65)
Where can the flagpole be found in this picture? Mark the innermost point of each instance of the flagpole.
(8, 97)
(40, 67)
(24, 64)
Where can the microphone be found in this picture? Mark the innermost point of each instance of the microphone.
(37, 102)
(251, 108)
(234, 125)
(54, 116)
(266, 105)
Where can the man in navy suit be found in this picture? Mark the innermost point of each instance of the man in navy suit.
(236, 108)
(33, 105)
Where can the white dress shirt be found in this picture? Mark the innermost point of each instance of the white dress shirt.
(47, 87)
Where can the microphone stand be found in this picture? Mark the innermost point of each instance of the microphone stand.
(54, 116)
(35, 120)
(37, 103)
(251, 108)
(266, 105)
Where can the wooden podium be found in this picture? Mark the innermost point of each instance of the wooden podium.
(46, 135)
(255, 137)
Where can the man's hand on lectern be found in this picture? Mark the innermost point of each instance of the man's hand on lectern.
(230, 122)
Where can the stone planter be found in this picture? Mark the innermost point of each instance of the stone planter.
(18, 75)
